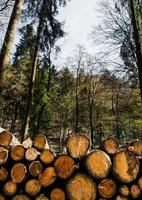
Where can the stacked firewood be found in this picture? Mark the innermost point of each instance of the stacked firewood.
(31, 171)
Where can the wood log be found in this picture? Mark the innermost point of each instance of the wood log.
(140, 183)
(64, 166)
(57, 194)
(35, 168)
(9, 188)
(136, 147)
(47, 156)
(98, 164)
(47, 177)
(135, 191)
(32, 187)
(28, 143)
(81, 187)
(18, 173)
(3, 174)
(42, 197)
(20, 197)
(17, 153)
(3, 155)
(125, 166)
(31, 154)
(119, 197)
(107, 188)
(78, 145)
(110, 145)
(40, 141)
(5, 138)
(2, 197)
(124, 190)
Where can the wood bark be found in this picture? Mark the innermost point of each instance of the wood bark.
(9, 38)
(136, 37)
(25, 129)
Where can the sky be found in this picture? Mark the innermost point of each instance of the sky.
(79, 16)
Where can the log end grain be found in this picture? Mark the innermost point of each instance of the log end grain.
(35, 168)
(3, 174)
(107, 188)
(64, 166)
(32, 187)
(18, 173)
(10, 188)
(3, 155)
(17, 152)
(78, 145)
(47, 177)
(31, 154)
(110, 145)
(40, 141)
(125, 166)
(5, 138)
(124, 190)
(47, 156)
(57, 194)
(81, 187)
(135, 191)
(98, 164)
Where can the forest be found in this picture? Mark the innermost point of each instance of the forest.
(98, 95)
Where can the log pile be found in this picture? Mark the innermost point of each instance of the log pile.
(31, 171)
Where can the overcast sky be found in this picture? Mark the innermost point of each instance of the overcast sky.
(79, 16)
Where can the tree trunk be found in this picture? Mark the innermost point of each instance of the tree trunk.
(25, 128)
(77, 97)
(9, 39)
(136, 37)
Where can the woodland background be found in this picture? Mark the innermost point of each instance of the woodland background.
(99, 95)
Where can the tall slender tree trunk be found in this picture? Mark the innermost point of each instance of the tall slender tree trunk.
(136, 37)
(25, 128)
(77, 96)
(91, 121)
(9, 39)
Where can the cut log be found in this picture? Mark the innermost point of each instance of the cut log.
(3, 174)
(125, 166)
(107, 188)
(78, 145)
(18, 173)
(47, 177)
(81, 187)
(124, 190)
(20, 197)
(140, 183)
(42, 197)
(10, 188)
(136, 147)
(110, 145)
(2, 197)
(57, 194)
(47, 156)
(3, 155)
(31, 154)
(5, 138)
(119, 197)
(135, 191)
(98, 164)
(28, 143)
(17, 153)
(64, 166)
(40, 141)
(35, 168)
(32, 187)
